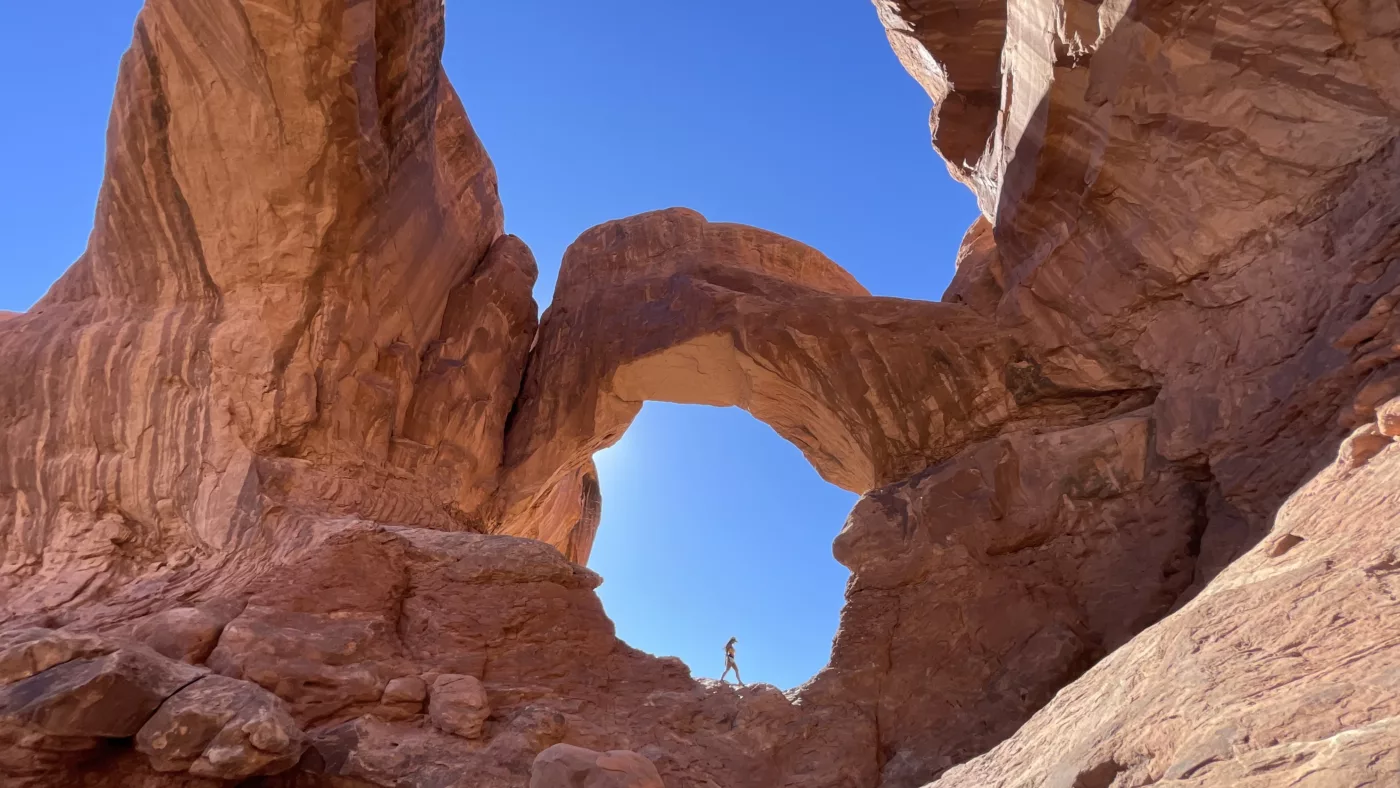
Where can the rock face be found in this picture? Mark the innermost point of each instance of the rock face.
(269, 449)
(668, 306)
(1298, 688)
(296, 293)
(563, 765)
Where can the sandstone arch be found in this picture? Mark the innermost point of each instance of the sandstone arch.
(669, 306)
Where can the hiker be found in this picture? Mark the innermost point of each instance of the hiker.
(729, 663)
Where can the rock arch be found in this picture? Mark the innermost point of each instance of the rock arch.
(668, 306)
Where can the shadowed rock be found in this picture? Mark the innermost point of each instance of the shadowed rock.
(110, 696)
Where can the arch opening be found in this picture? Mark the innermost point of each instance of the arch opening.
(715, 526)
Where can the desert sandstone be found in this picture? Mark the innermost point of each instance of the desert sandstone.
(296, 489)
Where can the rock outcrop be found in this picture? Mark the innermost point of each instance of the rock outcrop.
(1281, 669)
(66, 699)
(564, 765)
(296, 293)
(269, 450)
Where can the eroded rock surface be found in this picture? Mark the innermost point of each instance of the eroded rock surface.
(290, 414)
(296, 293)
(73, 697)
(222, 728)
(668, 306)
(184, 633)
(1281, 672)
(563, 765)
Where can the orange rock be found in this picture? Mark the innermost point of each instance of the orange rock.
(667, 306)
(296, 293)
(458, 705)
(222, 728)
(1279, 672)
(564, 765)
(295, 383)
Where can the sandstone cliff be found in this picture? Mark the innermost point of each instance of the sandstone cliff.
(270, 446)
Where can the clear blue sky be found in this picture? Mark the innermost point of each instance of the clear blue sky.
(787, 114)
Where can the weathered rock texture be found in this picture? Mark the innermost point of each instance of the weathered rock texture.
(1281, 672)
(563, 765)
(268, 450)
(668, 306)
(64, 699)
(296, 293)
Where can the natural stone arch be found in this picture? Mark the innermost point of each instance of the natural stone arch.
(667, 306)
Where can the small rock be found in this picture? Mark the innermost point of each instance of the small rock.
(540, 727)
(458, 705)
(1388, 418)
(110, 696)
(1363, 444)
(566, 766)
(405, 689)
(1370, 397)
(184, 633)
(25, 652)
(222, 728)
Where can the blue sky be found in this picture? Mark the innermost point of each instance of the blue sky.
(787, 114)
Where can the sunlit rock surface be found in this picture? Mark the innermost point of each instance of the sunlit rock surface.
(270, 448)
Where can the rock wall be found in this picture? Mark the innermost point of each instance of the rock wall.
(270, 446)
(296, 293)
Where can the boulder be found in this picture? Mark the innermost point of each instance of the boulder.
(187, 634)
(27, 651)
(108, 696)
(567, 766)
(405, 689)
(222, 728)
(458, 705)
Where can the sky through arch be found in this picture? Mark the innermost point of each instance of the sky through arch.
(715, 526)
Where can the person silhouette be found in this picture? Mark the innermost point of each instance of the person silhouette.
(729, 663)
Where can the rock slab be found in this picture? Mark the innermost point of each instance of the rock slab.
(566, 766)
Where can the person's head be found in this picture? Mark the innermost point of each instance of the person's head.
(732, 641)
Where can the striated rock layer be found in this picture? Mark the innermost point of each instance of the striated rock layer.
(296, 293)
(270, 446)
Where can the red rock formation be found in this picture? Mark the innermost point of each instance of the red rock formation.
(1281, 672)
(1206, 192)
(296, 293)
(262, 424)
(563, 765)
(667, 306)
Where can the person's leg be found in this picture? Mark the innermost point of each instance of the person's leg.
(726, 673)
(737, 677)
